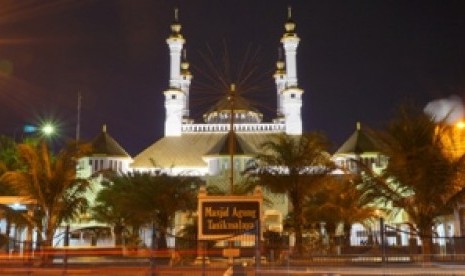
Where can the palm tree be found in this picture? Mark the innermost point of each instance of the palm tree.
(8, 162)
(51, 181)
(295, 165)
(421, 177)
(341, 201)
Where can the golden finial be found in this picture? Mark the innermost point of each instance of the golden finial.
(290, 25)
(175, 26)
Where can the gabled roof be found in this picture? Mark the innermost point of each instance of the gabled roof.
(222, 147)
(104, 145)
(188, 150)
(360, 141)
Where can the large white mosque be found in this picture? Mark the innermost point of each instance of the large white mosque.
(199, 148)
(203, 148)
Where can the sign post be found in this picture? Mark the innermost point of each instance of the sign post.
(229, 217)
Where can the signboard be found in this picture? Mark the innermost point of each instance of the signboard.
(226, 216)
(229, 218)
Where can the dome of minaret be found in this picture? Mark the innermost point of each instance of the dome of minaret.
(185, 64)
(280, 64)
(289, 26)
(176, 26)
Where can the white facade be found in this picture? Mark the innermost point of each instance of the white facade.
(177, 95)
(289, 95)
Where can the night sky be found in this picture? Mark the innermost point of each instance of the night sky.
(357, 60)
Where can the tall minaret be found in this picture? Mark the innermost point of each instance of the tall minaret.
(175, 97)
(280, 79)
(175, 42)
(292, 94)
(186, 78)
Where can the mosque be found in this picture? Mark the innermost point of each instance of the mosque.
(202, 148)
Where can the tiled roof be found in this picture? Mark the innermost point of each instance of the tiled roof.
(105, 145)
(359, 142)
(222, 147)
(188, 150)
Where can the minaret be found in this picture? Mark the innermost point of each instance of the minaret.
(290, 42)
(186, 78)
(292, 94)
(175, 42)
(280, 79)
(175, 97)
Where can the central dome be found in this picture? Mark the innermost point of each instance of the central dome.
(244, 113)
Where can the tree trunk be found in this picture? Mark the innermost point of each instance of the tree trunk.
(66, 239)
(298, 221)
(331, 235)
(49, 236)
(427, 242)
(347, 233)
(118, 231)
(7, 234)
(162, 244)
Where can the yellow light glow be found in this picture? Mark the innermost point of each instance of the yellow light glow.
(460, 124)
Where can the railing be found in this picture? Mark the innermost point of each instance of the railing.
(193, 257)
(266, 127)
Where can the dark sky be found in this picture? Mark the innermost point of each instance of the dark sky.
(357, 60)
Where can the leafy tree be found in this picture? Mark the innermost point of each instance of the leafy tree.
(9, 162)
(8, 159)
(137, 198)
(295, 165)
(172, 194)
(51, 181)
(421, 177)
(117, 204)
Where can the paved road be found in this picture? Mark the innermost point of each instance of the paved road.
(433, 269)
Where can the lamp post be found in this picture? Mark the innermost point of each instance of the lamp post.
(382, 235)
(231, 145)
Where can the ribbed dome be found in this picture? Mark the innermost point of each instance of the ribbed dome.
(244, 112)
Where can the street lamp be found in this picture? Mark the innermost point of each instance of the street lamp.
(460, 124)
(48, 129)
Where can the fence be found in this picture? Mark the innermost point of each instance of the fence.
(383, 246)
